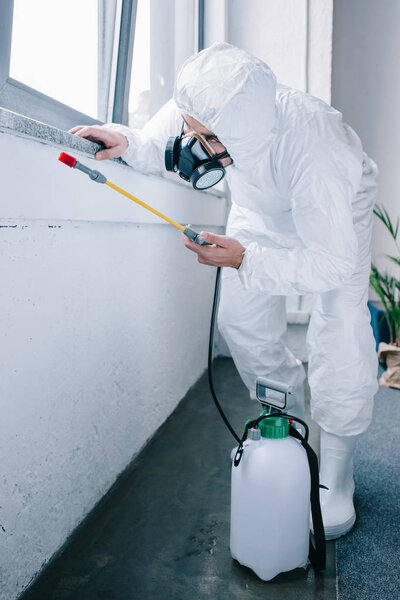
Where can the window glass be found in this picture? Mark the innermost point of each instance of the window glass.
(54, 50)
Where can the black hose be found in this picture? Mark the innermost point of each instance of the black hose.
(210, 355)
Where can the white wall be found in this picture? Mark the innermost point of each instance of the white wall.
(104, 326)
(292, 36)
(276, 32)
(319, 48)
(366, 88)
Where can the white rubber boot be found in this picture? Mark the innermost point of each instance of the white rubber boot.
(336, 473)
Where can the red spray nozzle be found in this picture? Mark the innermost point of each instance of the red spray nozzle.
(68, 160)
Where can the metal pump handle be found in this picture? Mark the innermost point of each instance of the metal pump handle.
(272, 394)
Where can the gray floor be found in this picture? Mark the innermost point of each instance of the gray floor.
(369, 559)
(163, 530)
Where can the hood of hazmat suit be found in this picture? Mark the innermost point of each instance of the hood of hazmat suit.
(222, 83)
(302, 193)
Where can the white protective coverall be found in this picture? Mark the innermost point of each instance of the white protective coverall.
(302, 194)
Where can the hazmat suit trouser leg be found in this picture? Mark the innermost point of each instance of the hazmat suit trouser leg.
(342, 361)
(253, 325)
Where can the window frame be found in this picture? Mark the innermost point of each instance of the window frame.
(200, 25)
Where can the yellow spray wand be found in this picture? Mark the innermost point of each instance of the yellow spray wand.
(72, 162)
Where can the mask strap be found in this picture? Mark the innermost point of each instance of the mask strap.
(224, 154)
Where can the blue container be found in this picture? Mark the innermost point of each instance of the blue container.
(378, 322)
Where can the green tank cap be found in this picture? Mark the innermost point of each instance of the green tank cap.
(274, 428)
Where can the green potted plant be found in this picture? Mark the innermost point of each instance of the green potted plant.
(388, 289)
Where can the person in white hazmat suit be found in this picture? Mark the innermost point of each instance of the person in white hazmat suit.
(302, 192)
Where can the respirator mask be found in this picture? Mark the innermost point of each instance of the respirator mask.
(194, 159)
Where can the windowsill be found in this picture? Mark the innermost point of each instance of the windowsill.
(22, 126)
(13, 123)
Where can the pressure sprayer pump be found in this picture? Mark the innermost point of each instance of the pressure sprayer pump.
(72, 162)
(275, 477)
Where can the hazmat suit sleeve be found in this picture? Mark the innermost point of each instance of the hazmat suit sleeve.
(321, 180)
(146, 147)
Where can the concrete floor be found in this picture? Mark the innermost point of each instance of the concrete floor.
(162, 531)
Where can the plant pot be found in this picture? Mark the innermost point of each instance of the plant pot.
(389, 355)
(378, 323)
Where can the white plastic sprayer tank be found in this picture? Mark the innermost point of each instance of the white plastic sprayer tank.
(270, 502)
